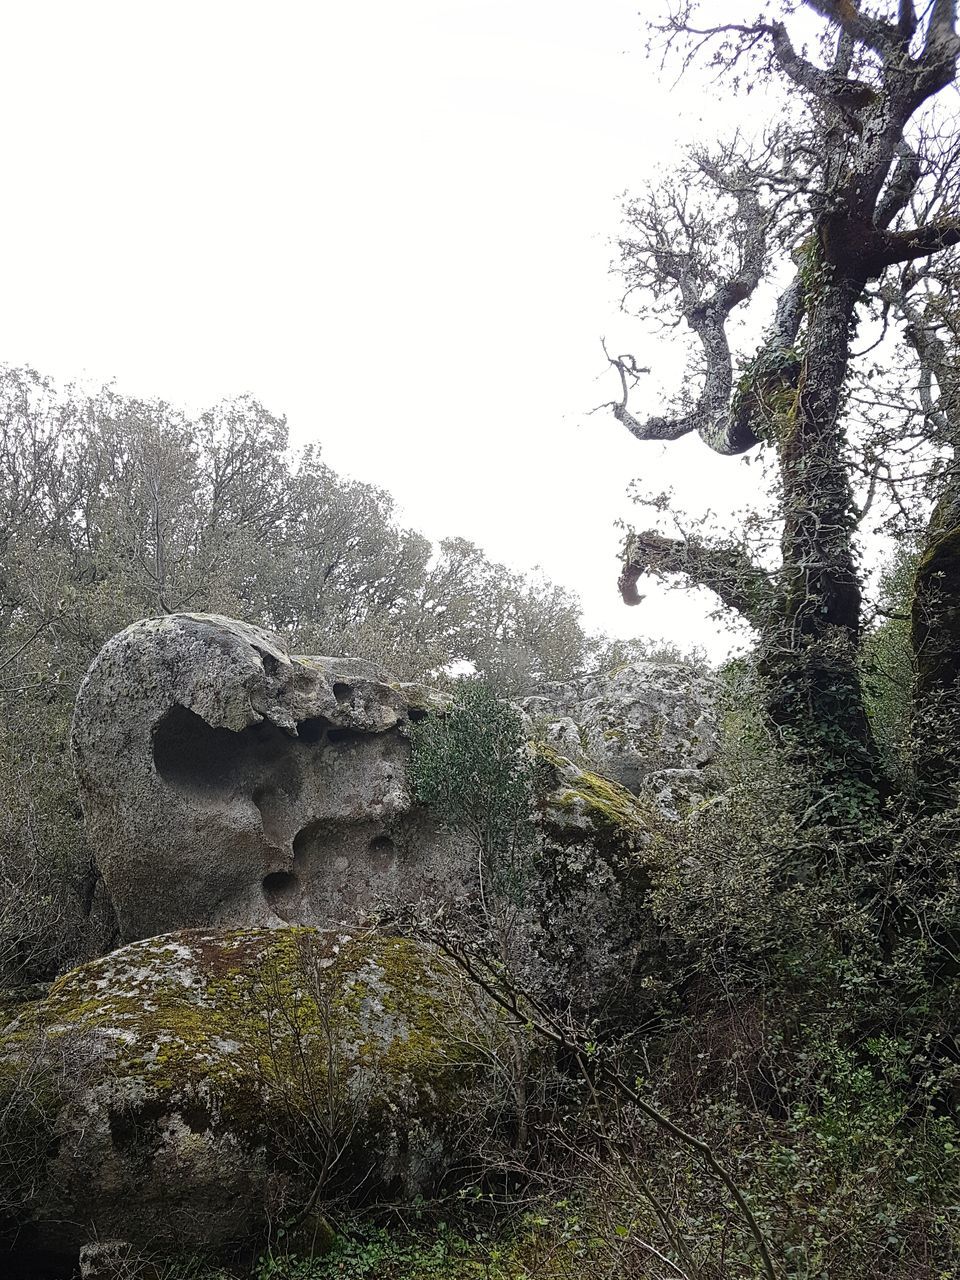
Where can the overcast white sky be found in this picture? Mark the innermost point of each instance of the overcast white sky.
(390, 221)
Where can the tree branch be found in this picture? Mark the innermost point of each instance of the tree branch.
(727, 571)
(801, 72)
(900, 188)
(830, 86)
(942, 25)
(938, 61)
(707, 318)
(935, 363)
(876, 34)
(907, 19)
(905, 246)
(726, 422)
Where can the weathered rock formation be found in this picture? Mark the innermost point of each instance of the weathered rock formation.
(591, 887)
(649, 726)
(186, 1088)
(223, 1068)
(224, 782)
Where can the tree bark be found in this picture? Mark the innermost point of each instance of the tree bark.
(810, 655)
(935, 639)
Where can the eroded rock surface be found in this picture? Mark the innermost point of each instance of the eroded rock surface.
(186, 1089)
(225, 782)
(650, 726)
(593, 875)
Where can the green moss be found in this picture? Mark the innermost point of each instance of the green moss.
(767, 395)
(240, 1017)
(943, 551)
(609, 808)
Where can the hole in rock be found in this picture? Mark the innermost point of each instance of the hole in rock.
(279, 886)
(271, 665)
(342, 692)
(189, 752)
(304, 839)
(312, 730)
(382, 850)
(417, 713)
(341, 737)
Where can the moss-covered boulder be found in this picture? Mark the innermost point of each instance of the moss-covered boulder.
(187, 1088)
(592, 881)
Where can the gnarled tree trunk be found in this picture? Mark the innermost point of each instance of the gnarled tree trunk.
(854, 188)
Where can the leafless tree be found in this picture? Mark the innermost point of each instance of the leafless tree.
(827, 209)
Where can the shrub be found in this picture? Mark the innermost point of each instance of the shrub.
(472, 767)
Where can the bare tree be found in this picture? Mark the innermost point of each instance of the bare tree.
(826, 206)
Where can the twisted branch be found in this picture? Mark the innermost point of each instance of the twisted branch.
(728, 424)
(727, 571)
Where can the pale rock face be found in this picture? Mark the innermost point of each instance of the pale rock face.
(565, 736)
(225, 782)
(649, 726)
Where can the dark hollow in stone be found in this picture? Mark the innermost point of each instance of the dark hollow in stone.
(189, 752)
(279, 886)
(382, 850)
(192, 755)
(312, 730)
(343, 737)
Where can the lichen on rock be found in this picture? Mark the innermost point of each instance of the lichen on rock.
(225, 1073)
(637, 725)
(593, 880)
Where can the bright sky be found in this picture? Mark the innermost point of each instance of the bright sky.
(390, 221)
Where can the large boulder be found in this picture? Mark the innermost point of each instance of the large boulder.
(649, 726)
(225, 782)
(187, 1089)
(593, 873)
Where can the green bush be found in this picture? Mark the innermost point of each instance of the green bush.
(367, 1252)
(472, 766)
